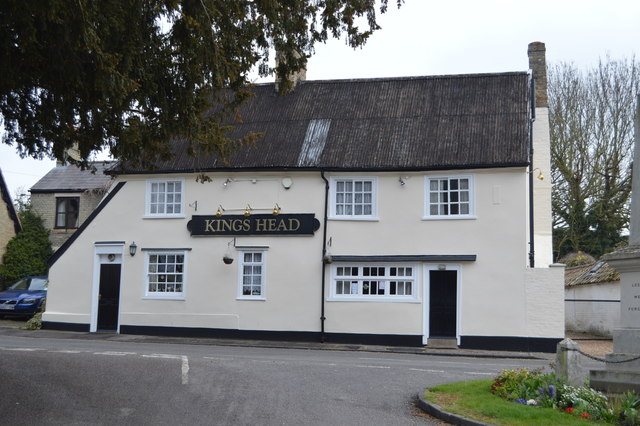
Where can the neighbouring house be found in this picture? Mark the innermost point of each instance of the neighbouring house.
(66, 196)
(592, 298)
(9, 221)
(396, 211)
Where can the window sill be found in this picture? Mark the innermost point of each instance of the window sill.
(373, 299)
(153, 297)
(355, 218)
(467, 217)
(163, 217)
(251, 298)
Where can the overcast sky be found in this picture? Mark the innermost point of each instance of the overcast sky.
(428, 37)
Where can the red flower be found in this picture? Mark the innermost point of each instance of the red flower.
(569, 410)
(584, 415)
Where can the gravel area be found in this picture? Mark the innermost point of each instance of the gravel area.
(593, 345)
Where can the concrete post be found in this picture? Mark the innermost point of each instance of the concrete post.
(568, 366)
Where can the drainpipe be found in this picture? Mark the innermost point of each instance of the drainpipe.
(324, 253)
(532, 261)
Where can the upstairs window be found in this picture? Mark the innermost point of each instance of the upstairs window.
(67, 212)
(353, 198)
(449, 197)
(164, 198)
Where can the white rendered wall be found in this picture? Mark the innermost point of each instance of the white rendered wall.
(542, 189)
(496, 293)
(598, 317)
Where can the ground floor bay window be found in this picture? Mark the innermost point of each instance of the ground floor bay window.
(374, 282)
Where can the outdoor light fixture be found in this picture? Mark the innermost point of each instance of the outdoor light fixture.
(247, 210)
(276, 210)
(540, 175)
(402, 181)
(132, 249)
(220, 210)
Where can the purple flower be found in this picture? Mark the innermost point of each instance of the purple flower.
(552, 391)
(521, 401)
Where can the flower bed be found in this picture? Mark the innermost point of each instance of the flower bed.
(539, 389)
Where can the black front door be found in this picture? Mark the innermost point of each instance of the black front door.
(109, 297)
(442, 303)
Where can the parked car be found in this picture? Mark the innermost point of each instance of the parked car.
(25, 297)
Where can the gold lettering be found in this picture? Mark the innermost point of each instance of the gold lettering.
(226, 225)
(272, 224)
(294, 224)
(208, 225)
(261, 225)
(282, 226)
(237, 225)
(246, 225)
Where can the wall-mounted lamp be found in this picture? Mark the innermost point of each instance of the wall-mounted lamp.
(287, 182)
(226, 182)
(276, 210)
(402, 180)
(220, 210)
(247, 210)
(133, 248)
(540, 175)
(228, 256)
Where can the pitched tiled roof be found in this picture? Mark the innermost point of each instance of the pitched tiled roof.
(593, 273)
(73, 179)
(414, 123)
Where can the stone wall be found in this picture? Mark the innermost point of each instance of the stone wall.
(44, 204)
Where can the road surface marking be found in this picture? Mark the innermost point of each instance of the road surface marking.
(184, 375)
(373, 366)
(112, 353)
(426, 371)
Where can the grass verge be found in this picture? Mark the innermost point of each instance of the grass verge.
(474, 400)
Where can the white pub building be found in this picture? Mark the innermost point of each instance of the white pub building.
(394, 211)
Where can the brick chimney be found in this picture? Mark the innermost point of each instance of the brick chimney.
(538, 63)
(293, 78)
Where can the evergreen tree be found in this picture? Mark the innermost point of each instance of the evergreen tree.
(129, 75)
(27, 253)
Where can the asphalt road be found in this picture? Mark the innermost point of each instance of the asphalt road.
(54, 381)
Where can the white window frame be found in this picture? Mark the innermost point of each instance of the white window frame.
(263, 273)
(149, 214)
(359, 281)
(427, 198)
(333, 193)
(164, 295)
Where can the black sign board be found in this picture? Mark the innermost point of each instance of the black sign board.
(258, 224)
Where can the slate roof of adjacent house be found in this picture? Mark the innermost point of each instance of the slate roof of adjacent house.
(412, 123)
(8, 203)
(70, 178)
(593, 273)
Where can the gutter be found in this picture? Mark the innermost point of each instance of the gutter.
(324, 253)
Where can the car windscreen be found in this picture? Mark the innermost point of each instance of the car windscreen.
(38, 284)
(23, 284)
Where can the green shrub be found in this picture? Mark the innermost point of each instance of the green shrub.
(28, 252)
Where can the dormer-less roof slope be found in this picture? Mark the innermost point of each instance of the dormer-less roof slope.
(70, 178)
(416, 123)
